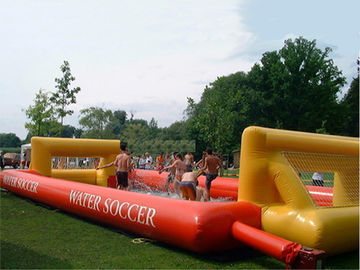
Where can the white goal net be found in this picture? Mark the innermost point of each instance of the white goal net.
(332, 180)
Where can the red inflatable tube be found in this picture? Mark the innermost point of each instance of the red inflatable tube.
(197, 226)
(270, 244)
(221, 187)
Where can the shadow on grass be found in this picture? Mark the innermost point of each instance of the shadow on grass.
(223, 259)
(17, 257)
(348, 260)
(232, 256)
(237, 255)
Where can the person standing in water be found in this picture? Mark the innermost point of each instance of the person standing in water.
(122, 165)
(212, 164)
(189, 161)
(171, 175)
(201, 162)
(180, 169)
(160, 162)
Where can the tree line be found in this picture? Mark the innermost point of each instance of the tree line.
(296, 87)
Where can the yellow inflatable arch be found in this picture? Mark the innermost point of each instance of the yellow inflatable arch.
(43, 149)
(271, 161)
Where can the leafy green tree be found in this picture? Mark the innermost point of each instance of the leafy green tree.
(168, 146)
(153, 129)
(55, 129)
(117, 122)
(350, 104)
(138, 121)
(186, 146)
(64, 96)
(120, 116)
(40, 115)
(217, 119)
(140, 139)
(136, 132)
(155, 146)
(70, 132)
(135, 135)
(147, 146)
(295, 88)
(176, 131)
(93, 121)
(9, 140)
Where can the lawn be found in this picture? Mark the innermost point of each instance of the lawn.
(33, 236)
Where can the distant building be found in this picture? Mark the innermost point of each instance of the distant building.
(236, 155)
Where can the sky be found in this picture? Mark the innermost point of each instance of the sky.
(147, 56)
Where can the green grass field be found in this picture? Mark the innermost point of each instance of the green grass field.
(33, 236)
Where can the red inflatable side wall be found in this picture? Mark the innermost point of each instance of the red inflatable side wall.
(197, 226)
(323, 196)
(221, 187)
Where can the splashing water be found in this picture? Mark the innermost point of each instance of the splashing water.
(140, 187)
(157, 193)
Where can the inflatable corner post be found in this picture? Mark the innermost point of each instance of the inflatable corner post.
(272, 162)
(43, 149)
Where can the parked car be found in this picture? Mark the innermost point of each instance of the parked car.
(11, 159)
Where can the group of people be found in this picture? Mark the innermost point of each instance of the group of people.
(146, 161)
(185, 180)
(180, 171)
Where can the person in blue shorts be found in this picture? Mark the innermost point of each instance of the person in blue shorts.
(190, 189)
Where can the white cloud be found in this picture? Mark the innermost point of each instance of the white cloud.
(143, 56)
(139, 56)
